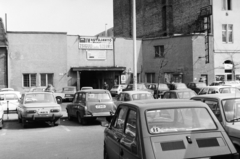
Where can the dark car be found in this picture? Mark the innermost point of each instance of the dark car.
(140, 86)
(179, 94)
(196, 86)
(175, 86)
(166, 129)
(90, 104)
(158, 89)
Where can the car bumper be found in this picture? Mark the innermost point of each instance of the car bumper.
(102, 114)
(47, 117)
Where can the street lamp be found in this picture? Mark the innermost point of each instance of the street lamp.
(134, 47)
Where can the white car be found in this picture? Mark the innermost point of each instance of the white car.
(1, 117)
(9, 101)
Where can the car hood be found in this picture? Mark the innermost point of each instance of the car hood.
(36, 105)
(190, 145)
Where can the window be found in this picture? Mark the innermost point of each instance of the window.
(120, 119)
(159, 51)
(29, 80)
(226, 4)
(227, 33)
(150, 77)
(214, 106)
(46, 79)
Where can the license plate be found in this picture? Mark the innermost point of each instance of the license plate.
(43, 112)
(68, 95)
(100, 106)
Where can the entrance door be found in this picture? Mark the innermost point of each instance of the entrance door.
(229, 77)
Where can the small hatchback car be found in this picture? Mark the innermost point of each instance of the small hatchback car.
(166, 129)
(38, 106)
(91, 104)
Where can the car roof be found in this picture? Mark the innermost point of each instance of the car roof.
(181, 90)
(93, 90)
(136, 92)
(219, 96)
(164, 103)
(37, 93)
(69, 87)
(216, 86)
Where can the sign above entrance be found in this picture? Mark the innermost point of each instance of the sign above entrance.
(96, 43)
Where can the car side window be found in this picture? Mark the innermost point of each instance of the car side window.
(127, 97)
(83, 97)
(120, 119)
(173, 96)
(204, 91)
(75, 98)
(166, 95)
(214, 106)
(79, 98)
(121, 97)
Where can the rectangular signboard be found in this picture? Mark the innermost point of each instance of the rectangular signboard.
(96, 43)
(96, 55)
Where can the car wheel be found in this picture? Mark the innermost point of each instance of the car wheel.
(81, 120)
(105, 154)
(24, 123)
(59, 100)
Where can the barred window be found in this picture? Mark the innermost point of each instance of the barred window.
(159, 51)
(46, 78)
(227, 33)
(29, 80)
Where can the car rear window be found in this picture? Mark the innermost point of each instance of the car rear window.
(179, 119)
(39, 98)
(98, 96)
(186, 95)
(142, 96)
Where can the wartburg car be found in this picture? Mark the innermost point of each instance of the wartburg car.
(166, 129)
(37, 107)
(91, 104)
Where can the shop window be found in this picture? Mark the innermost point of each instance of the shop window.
(46, 79)
(159, 51)
(150, 77)
(29, 80)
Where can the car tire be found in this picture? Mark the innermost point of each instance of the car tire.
(24, 123)
(56, 123)
(81, 120)
(59, 100)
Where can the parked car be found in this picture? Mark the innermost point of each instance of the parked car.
(196, 86)
(158, 88)
(166, 129)
(140, 86)
(69, 92)
(39, 106)
(179, 94)
(86, 87)
(117, 89)
(175, 86)
(127, 96)
(218, 89)
(9, 101)
(226, 108)
(217, 83)
(59, 96)
(1, 116)
(90, 104)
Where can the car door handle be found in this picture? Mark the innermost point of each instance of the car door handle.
(121, 152)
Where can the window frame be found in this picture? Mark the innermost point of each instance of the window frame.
(159, 51)
(30, 81)
(46, 79)
(227, 33)
(226, 5)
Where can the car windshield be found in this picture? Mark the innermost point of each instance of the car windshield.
(69, 89)
(163, 86)
(141, 96)
(181, 86)
(178, 119)
(98, 96)
(186, 95)
(39, 98)
(201, 85)
(231, 109)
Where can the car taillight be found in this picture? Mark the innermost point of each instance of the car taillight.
(31, 111)
(54, 110)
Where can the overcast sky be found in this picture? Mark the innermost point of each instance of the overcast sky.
(76, 17)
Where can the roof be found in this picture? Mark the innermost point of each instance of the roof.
(165, 103)
(220, 96)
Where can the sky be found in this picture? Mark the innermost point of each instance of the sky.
(76, 17)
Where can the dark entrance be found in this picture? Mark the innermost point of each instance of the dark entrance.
(96, 76)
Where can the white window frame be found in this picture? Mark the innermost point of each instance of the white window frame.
(227, 31)
(46, 74)
(30, 79)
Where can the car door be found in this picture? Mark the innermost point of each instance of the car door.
(129, 143)
(70, 106)
(113, 134)
(78, 103)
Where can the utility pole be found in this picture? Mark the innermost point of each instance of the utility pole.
(134, 47)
